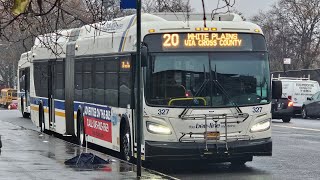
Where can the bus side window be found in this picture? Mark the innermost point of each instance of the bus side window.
(125, 82)
(78, 81)
(111, 90)
(87, 81)
(99, 81)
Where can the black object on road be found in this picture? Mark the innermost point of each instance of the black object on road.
(86, 160)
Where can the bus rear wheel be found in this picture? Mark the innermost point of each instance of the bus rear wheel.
(80, 131)
(41, 119)
(125, 144)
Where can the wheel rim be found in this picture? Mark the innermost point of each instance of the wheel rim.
(304, 114)
(81, 133)
(41, 120)
(126, 146)
(42, 123)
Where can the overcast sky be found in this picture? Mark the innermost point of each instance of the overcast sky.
(247, 7)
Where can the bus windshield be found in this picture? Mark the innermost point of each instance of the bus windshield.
(208, 79)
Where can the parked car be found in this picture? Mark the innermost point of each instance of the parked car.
(311, 107)
(13, 105)
(282, 109)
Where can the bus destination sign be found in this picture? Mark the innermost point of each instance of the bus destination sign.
(181, 41)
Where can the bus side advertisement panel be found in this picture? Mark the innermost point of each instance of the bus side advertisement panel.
(97, 122)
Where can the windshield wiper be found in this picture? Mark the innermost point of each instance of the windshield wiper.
(223, 90)
(195, 95)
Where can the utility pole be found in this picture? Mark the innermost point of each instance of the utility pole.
(159, 8)
(139, 90)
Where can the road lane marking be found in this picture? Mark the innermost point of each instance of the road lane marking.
(300, 128)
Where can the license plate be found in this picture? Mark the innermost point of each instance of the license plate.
(213, 135)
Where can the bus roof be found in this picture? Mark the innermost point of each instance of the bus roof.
(25, 60)
(119, 35)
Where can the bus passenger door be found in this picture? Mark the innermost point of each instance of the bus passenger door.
(51, 110)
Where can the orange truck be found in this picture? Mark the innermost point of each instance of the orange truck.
(7, 96)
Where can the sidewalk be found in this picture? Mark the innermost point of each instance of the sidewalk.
(28, 154)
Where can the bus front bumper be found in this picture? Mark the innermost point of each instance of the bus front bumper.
(197, 151)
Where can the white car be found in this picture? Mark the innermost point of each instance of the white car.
(298, 90)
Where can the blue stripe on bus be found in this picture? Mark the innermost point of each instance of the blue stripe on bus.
(125, 32)
(59, 105)
(37, 100)
(76, 106)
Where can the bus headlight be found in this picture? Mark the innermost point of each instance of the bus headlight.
(261, 126)
(158, 128)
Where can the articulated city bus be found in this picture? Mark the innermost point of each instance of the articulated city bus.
(24, 84)
(206, 90)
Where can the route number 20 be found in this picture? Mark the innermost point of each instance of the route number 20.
(171, 40)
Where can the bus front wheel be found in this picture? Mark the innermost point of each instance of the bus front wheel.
(241, 161)
(125, 144)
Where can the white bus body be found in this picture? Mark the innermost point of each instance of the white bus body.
(91, 87)
(24, 84)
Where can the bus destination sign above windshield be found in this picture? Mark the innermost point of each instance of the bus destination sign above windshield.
(205, 41)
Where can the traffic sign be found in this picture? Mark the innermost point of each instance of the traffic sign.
(128, 4)
(287, 61)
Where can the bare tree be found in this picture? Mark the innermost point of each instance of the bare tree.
(150, 6)
(292, 29)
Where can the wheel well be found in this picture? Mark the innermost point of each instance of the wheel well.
(41, 109)
(123, 124)
(21, 104)
(78, 119)
(78, 115)
(41, 114)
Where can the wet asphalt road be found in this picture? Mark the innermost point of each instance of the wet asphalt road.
(28, 154)
(296, 155)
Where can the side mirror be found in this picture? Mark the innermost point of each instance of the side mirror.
(309, 98)
(144, 56)
(276, 89)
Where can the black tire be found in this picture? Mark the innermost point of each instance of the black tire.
(22, 107)
(238, 163)
(81, 135)
(41, 119)
(286, 119)
(241, 162)
(304, 113)
(25, 115)
(125, 144)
